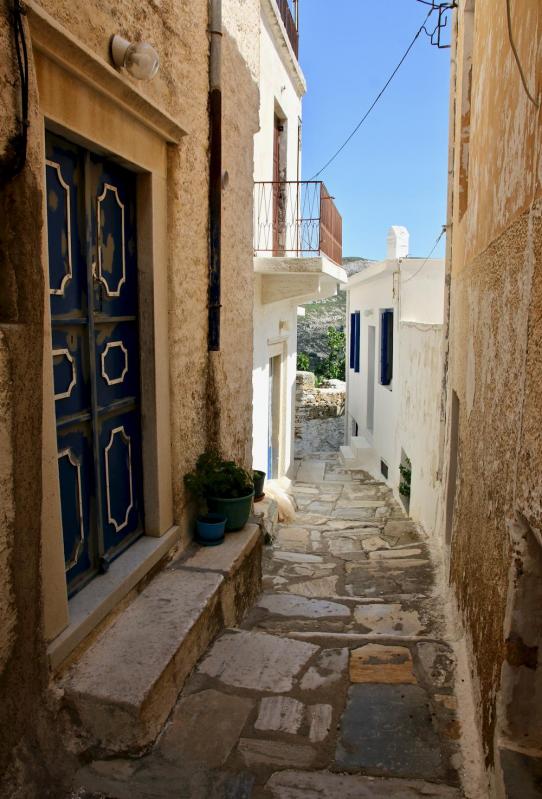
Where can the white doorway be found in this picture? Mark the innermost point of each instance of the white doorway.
(371, 338)
(275, 423)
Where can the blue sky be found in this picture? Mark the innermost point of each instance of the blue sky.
(394, 170)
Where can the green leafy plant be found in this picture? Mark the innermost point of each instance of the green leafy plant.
(405, 470)
(333, 366)
(303, 363)
(216, 477)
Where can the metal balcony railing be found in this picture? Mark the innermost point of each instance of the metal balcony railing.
(289, 24)
(296, 219)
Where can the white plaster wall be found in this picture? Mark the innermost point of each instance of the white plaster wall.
(277, 95)
(418, 423)
(422, 291)
(273, 323)
(277, 320)
(407, 414)
(370, 296)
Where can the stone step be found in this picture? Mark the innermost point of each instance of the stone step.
(125, 684)
(347, 454)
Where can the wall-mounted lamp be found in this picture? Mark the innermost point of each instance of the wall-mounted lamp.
(139, 59)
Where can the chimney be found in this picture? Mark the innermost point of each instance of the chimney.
(398, 238)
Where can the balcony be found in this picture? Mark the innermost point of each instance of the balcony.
(289, 24)
(297, 241)
(296, 219)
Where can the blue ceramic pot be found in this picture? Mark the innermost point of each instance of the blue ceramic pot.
(210, 529)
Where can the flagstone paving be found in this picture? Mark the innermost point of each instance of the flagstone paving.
(340, 682)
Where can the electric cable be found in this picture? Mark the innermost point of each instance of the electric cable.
(535, 102)
(435, 245)
(421, 29)
(14, 158)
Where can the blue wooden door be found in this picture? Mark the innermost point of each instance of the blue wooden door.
(91, 225)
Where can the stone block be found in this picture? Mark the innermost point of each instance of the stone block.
(275, 753)
(325, 785)
(387, 730)
(257, 661)
(294, 606)
(320, 717)
(328, 669)
(124, 686)
(374, 663)
(239, 559)
(205, 727)
(321, 587)
(388, 619)
(280, 714)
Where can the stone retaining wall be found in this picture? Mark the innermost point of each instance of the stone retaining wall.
(319, 415)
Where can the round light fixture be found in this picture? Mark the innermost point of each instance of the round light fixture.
(139, 59)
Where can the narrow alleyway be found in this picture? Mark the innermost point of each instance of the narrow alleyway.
(339, 684)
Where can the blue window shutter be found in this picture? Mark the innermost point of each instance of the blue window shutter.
(357, 347)
(386, 347)
(352, 340)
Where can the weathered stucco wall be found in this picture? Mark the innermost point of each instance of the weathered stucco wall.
(495, 325)
(222, 394)
(418, 421)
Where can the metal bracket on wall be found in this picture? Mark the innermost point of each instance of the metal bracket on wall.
(442, 8)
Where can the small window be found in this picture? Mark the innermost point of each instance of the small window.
(384, 471)
(355, 326)
(352, 340)
(386, 347)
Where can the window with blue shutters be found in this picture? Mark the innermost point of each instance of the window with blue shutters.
(352, 340)
(358, 336)
(386, 347)
(355, 327)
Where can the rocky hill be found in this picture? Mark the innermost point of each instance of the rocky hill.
(312, 328)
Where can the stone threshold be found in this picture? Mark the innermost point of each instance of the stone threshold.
(123, 687)
(90, 606)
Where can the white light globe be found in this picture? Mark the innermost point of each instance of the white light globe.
(141, 61)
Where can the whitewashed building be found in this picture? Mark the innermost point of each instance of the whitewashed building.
(297, 239)
(395, 313)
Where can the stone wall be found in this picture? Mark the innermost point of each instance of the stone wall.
(495, 360)
(210, 399)
(319, 415)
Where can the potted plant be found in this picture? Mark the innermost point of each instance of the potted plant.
(224, 486)
(259, 480)
(210, 529)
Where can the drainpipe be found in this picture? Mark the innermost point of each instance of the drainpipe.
(215, 173)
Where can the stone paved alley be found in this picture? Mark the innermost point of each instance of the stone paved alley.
(340, 683)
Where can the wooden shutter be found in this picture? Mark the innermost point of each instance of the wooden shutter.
(386, 347)
(357, 341)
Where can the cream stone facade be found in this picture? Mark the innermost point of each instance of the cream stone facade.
(394, 420)
(491, 517)
(290, 267)
(158, 131)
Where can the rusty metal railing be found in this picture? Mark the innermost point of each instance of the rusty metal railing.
(296, 219)
(289, 24)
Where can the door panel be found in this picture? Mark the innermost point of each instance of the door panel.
(92, 253)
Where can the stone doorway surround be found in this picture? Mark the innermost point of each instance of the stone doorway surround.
(84, 99)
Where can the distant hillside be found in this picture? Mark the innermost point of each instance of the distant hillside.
(312, 328)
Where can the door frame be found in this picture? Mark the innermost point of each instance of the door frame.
(83, 99)
(278, 350)
(371, 376)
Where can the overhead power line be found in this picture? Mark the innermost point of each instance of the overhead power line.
(421, 29)
(534, 101)
(435, 245)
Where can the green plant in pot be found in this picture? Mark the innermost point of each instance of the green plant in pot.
(224, 486)
(259, 481)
